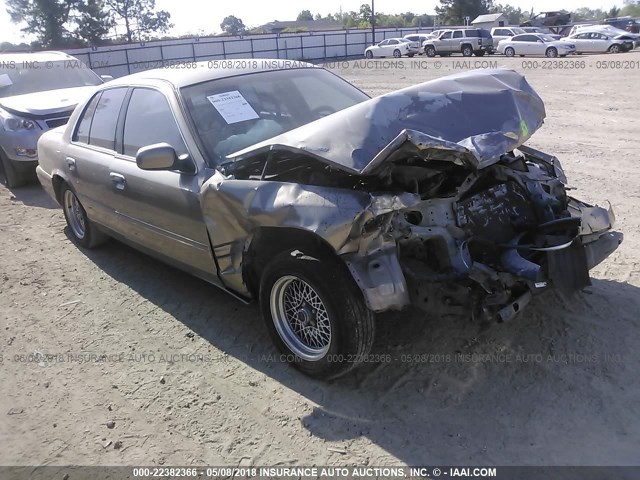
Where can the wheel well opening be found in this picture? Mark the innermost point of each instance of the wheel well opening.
(58, 181)
(266, 243)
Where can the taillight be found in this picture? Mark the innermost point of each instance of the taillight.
(479, 41)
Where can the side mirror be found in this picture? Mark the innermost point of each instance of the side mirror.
(159, 156)
(106, 78)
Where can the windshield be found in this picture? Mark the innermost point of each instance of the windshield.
(519, 31)
(17, 78)
(233, 113)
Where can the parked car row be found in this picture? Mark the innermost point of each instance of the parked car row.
(510, 41)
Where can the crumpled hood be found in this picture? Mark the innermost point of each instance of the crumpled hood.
(47, 102)
(477, 116)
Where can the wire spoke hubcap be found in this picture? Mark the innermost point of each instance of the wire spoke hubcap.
(75, 214)
(301, 318)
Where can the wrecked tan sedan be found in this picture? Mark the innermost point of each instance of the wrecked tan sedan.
(286, 184)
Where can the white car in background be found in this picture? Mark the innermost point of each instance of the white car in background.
(598, 42)
(535, 44)
(391, 47)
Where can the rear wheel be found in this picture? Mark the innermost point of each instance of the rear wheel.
(83, 231)
(369, 54)
(614, 49)
(396, 53)
(467, 51)
(509, 52)
(430, 51)
(551, 52)
(315, 314)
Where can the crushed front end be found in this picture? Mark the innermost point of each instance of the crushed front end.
(485, 241)
(461, 217)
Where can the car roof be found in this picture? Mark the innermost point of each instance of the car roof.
(209, 70)
(51, 56)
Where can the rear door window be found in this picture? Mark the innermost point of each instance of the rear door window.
(84, 125)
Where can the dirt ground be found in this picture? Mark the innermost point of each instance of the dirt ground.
(190, 377)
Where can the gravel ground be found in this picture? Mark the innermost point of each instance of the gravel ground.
(110, 357)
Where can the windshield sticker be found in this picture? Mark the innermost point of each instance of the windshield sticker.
(233, 107)
(5, 80)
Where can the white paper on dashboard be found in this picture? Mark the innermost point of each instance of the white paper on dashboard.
(233, 107)
(5, 80)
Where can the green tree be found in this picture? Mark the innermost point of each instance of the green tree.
(232, 25)
(94, 22)
(139, 17)
(631, 8)
(46, 19)
(304, 15)
(364, 15)
(515, 15)
(453, 12)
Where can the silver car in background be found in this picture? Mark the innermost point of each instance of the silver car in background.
(284, 183)
(536, 44)
(38, 91)
(588, 41)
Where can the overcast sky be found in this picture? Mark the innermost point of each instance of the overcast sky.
(204, 16)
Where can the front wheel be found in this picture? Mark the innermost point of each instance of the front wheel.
(509, 52)
(11, 178)
(83, 231)
(315, 314)
(397, 54)
(551, 52)
(479, 53)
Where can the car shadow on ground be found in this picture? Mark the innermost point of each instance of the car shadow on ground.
(32, 195)
(435, 398)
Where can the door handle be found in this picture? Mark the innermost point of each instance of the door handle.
(118, 180)
(71, 163)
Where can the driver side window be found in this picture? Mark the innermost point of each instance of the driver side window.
(445, 35)
(149, 120)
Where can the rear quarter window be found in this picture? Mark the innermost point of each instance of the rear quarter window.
(105, 118)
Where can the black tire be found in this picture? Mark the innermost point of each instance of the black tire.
(509, 52)
(479, 53)
(369, 54)
(410, 55)
(467, 51)
(352, 324)
(397, 53)
(11, 178)
(614, 48)
(430, 51)
(91, 236)
(552, 52)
